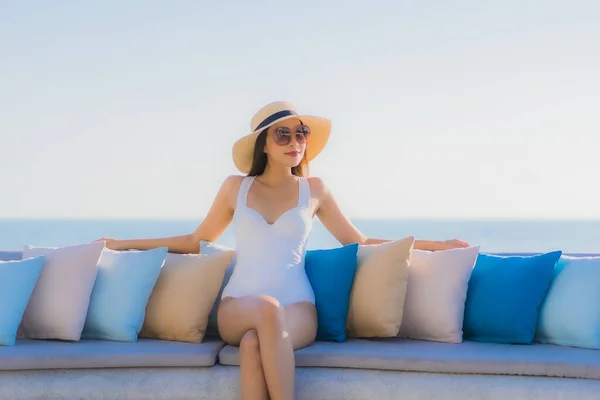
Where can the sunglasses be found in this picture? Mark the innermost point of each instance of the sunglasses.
(283, 135)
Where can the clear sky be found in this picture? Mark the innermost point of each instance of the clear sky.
(464, 109)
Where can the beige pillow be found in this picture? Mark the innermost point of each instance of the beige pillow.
(379, 290)
(58, 306)
(184, 295)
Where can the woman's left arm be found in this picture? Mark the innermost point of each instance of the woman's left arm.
(346, 233)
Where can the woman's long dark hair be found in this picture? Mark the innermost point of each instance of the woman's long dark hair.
(259, 159)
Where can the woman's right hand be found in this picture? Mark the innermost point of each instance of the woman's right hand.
(215, 223)
(112, 244)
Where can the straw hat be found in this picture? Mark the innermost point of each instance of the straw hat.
(243, 148)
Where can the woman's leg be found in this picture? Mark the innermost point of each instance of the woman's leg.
(279, 332)
(264, 314)
(253, 381)
(301, 319)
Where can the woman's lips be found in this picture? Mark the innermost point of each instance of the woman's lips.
(292, 153)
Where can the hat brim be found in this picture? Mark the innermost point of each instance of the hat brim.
(320, 130)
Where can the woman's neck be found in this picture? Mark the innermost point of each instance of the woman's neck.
(275, 176)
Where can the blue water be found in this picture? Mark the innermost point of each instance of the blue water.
(495, 236)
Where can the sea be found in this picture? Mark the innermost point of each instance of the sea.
(570, 236)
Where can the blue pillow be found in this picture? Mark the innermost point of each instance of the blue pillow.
(331, 273)
(570, 314)
(121, 292)
(504, 297)
(17, 282)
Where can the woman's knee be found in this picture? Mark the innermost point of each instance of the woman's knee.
(270, 311)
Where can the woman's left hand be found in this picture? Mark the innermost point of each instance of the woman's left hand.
(451, 244)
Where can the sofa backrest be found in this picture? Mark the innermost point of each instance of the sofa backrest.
(8, 255)
(534, 253)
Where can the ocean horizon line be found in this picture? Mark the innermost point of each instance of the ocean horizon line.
(369, 219)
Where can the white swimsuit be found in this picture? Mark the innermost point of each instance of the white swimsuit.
(269, 258)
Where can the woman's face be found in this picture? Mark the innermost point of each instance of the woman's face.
(286, 142)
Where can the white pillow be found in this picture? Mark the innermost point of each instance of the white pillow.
(58, 306)
(437, 291)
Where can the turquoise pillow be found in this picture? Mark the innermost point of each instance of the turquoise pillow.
(570, 314)
(331, 273)
(504, 297)
(17, 281)
(121, 292)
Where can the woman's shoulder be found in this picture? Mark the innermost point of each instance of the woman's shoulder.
(234, 180)
(232, 183)
(317, 185)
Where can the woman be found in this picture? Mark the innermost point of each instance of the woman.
(267, 307)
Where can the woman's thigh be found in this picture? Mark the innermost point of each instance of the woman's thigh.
(236, 316)
(301, 322)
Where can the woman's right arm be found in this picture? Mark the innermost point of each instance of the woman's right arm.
(216, 222)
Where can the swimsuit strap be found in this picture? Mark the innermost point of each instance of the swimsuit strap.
(243, 192)
(304, 196)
